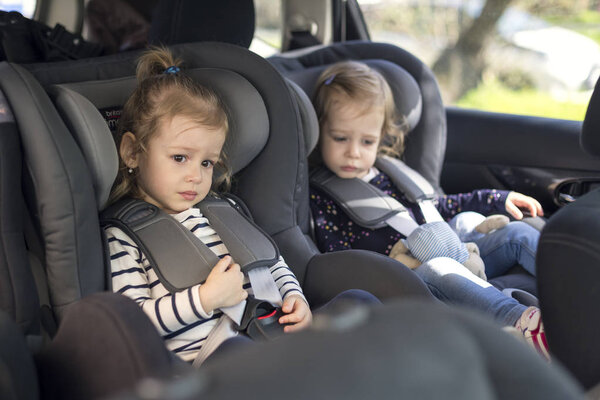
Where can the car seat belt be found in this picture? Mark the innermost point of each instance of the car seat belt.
(370, 207)
(414, 186)
(162, 238)
(249, 246)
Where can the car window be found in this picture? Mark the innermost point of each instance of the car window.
(25, 7)
(268, 33)
(522, 56)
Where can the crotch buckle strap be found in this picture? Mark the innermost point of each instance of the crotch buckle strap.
(261, 320)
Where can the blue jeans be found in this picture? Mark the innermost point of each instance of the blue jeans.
(516, 243)
(452, 283)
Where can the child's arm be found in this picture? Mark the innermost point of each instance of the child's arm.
(295, 306)
(297, 313)
(489, 201)
(483, 201)
(223, 287)
(517, 202)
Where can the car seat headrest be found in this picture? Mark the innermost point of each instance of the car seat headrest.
(407, 95)
(590, 131)
(184, 21)
(90, 109)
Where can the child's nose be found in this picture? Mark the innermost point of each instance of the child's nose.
(194, 174)
(353, 149)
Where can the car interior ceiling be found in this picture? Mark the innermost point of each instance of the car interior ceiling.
(54, 267)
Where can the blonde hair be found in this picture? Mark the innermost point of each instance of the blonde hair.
(363, 85)
(163, 91)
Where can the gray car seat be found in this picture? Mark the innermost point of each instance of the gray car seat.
(568, 265)
(417, 96)
(35, 240)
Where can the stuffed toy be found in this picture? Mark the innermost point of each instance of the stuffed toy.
(438, 239)
(470, 226)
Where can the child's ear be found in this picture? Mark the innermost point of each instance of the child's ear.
(127, 150)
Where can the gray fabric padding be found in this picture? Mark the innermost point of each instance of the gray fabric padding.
(64, 204)
(248, 118)
(310, 122)
(245, 241)
(17, 288)
(412, 184)
(329, 274)
(92, 135)
(406, 92)
(590, 131)
(365, 204)
(18, 377)
(79, 102)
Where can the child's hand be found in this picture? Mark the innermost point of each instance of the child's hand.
(515, 202)
(223, 287)
(297, 313)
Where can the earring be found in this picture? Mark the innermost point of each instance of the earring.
(130, 170)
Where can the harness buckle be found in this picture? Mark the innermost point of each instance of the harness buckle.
(261, 320)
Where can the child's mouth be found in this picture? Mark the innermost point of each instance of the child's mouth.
(189, 196)
(349, 169)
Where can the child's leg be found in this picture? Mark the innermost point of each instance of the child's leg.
(503, 248)
(452, 283)
(464, 224)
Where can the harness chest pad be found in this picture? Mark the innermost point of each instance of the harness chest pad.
(365, 204)
(178, 257)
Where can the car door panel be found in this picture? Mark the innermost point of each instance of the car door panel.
(537, 156)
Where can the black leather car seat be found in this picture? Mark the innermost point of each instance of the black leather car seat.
(186, 21)
(568, 265)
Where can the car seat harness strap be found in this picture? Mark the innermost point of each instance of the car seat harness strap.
(414, 186)
(162, 239)
(370, 207)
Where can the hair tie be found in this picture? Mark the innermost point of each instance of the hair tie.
(171, 70)
(329, 80)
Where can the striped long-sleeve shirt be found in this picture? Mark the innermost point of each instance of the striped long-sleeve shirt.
(179, 317)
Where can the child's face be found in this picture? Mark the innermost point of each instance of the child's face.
(176, 170)
(350, 138)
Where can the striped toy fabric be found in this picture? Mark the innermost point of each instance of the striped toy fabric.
(436, 239)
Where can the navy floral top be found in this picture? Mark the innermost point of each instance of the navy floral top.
(335, 231)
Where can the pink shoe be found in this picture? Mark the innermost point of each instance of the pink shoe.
(531, 326)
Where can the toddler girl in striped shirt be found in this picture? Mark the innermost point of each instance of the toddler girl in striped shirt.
(170, 141)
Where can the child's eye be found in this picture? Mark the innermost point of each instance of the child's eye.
(339, 139)
(368, 142)
(208, 163)
(179, 158)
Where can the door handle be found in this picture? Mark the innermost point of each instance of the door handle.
(569, 190)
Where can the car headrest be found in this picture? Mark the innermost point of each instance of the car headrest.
(185, 21)
(590, 131)
(407, 95)
(91, 110)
